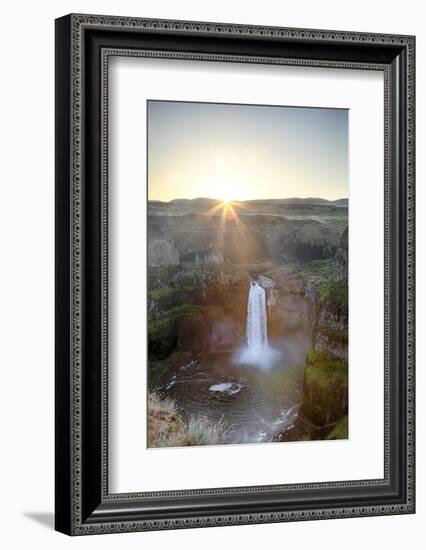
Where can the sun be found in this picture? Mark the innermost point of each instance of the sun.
(225, 196)
(222, 189)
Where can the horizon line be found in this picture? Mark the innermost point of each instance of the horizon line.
(248, 200)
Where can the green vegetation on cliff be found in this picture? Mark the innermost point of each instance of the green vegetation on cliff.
(324, 410)
(158, 369)
(340, 431)
(192, 310)
(168, 297)
(164, 294)
(333, 293)
(325, 393)
(164, 326)
(323, 370)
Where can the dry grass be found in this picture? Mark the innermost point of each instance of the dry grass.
(166, 428)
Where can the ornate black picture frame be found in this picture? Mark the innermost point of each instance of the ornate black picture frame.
(83, 45)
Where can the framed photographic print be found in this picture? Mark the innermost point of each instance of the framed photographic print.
(234, 274)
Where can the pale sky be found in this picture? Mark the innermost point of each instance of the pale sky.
(246, 152)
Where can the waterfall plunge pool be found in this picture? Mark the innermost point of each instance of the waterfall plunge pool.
(255, 390)
(255, 403)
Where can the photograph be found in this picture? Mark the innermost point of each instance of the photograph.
(247, 273)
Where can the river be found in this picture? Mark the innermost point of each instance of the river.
(255, 403)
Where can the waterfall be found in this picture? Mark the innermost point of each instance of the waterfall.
(257, 351)
(257, 329)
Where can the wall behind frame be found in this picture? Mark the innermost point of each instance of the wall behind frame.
(27, 280)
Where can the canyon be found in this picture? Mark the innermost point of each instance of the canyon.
(203, 259)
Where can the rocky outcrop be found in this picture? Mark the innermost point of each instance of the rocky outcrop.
(330, 332)
(211, 256)
(324, 408)
(209, 277)
(289, 306)
(193, 310)
(162, 252)
(216, 329)
(342, 258)
(330, 328)
(250, 238)
(195, 328)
